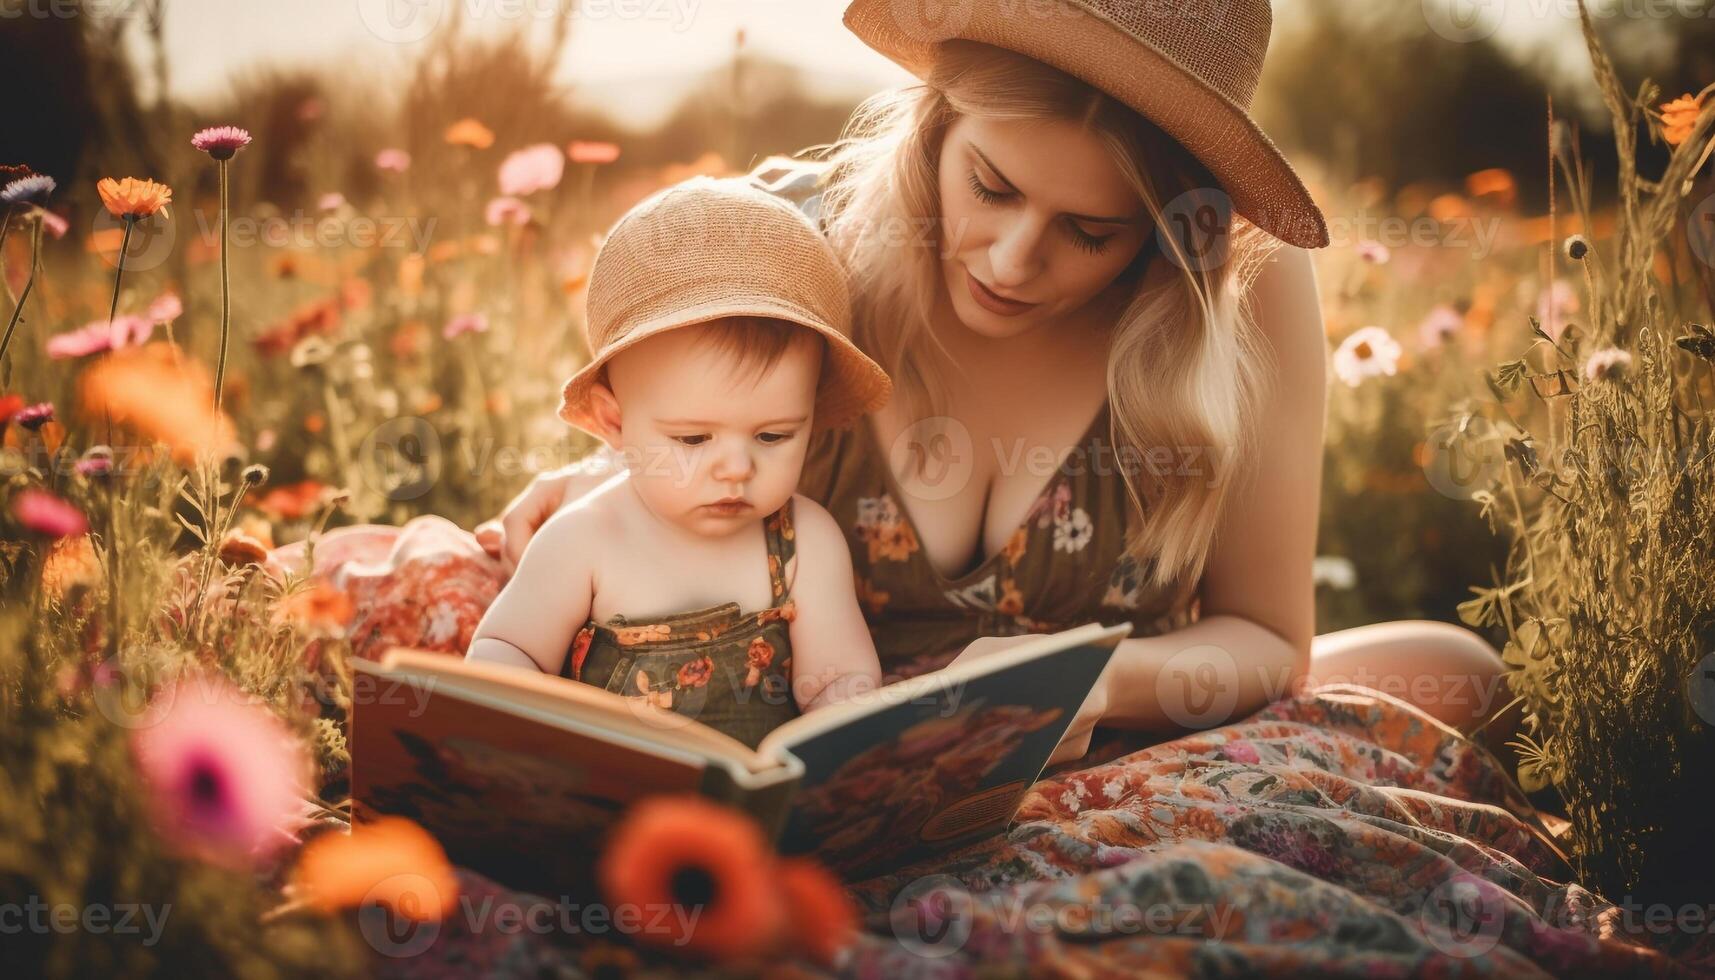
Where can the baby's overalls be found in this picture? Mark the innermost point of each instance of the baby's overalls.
(728, 669)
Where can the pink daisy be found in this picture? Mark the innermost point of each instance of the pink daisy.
(1439, 326)
(224, 776)
(48, 515)
(331, 201)
(33, 417)
(1374, 253)
(221, 142)
(465, 323)
(393, 161)
(99, 335)
(507, 211)
(55, 225)
(166, 308)
(532, 169)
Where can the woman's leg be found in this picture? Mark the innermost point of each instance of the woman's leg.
(1447, 670)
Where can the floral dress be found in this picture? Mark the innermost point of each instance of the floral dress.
(1064, 566)
(728, 669)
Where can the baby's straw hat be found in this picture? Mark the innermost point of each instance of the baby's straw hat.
(1189, 66)
(710, 248)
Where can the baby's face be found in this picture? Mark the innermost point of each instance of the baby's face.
(697, 433)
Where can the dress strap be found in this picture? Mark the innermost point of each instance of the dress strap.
(782, 542)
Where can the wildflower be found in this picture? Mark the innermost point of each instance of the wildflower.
(225, 778)
(132, 198)
(331, 201)
(1577, 247)
(33, 417)
(823, 918)
(1679, 117)
(584, 151)
(70, 563)
(159, 395)
(31, 191)
(55, 225)
(390, 860)
(1439, 326)
(322, 608)
(238, 549)
(100, 336)
(507, 211)
(1607, 364)
(293, 501)
(48, 515)
(394, 161)
(465, 323)
(1367, 353)
(695, 854)
(254, 474)
(221, 142)
(10, 405)
(1373, 252)
(534, 168)
(1556, 306)
(97, 461)
(470, 132)
(1496, 181)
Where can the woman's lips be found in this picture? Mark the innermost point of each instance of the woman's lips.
(989, 300)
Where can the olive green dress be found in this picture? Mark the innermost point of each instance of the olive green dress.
(723, 667)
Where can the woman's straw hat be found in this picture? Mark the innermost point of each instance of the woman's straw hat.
(710, 248)
(1189, 66)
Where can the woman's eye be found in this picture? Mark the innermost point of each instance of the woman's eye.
(1094, 244)
(690, 440)
(983, 192)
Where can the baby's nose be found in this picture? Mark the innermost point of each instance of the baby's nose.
(732, 463)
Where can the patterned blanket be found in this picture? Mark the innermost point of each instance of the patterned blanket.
(1338, 833)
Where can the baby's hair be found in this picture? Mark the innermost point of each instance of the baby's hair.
(755, 343)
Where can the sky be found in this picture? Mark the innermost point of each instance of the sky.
(629, 57)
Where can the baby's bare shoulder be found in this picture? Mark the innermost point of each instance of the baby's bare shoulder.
(586, 522)
(820, 543)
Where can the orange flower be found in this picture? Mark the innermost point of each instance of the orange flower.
(321, 607)
(689, 852)
(292, 501)
(238, 548)
(696, 673)
(590, 151)
(1679, 117)
(70, 563)
(470, 132)
(133, 198)
(824, 920)
(392, 861)
(158, 394)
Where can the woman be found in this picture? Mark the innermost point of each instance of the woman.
(1084, 267)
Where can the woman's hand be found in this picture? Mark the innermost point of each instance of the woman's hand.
(504, 537)
(1076, 742)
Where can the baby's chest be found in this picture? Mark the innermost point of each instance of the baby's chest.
(639, 585)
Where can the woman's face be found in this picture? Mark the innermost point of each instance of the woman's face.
(1037, 219)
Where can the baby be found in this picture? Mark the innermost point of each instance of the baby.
(698, 579)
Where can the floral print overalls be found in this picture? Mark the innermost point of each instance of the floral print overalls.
(728, 669)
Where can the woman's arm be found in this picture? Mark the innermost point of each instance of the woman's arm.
(504, 537)
(1252, 643)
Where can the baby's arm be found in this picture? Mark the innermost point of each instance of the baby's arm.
(532, 622)
(833, 656)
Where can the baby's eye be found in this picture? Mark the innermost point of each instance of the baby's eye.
(690, 440)
(774, 438)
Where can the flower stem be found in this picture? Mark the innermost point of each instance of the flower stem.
(225, 292)
(29, 281)
(119, 269)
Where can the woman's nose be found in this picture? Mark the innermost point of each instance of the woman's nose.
(1015, 256)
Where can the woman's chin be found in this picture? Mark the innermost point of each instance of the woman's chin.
(992, 325)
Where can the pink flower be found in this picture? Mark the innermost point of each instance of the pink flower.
(1556, 306)
(1372, 252)
(582, 151)
(465, 323)
(35, 416)
(48, 515)
(1439, 326)
(532, 169)
(1607, 364)
(55, 225)
(393, 161)
(166, 308)
(331, 201)
(99, 335)
(224, 776)
(221, 142)
(507, 211)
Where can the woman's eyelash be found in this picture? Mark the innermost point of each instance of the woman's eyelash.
(1093, 244)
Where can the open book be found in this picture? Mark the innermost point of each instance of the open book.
(519, 774)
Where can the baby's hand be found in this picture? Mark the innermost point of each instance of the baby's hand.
(859, 687)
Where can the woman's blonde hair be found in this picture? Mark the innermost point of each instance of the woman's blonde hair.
(1185, 362)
